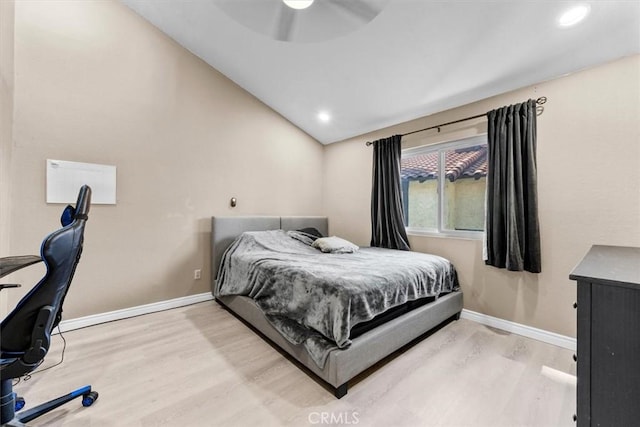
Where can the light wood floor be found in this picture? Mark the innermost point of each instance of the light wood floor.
(200, 366)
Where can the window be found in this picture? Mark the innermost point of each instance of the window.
(443, 187)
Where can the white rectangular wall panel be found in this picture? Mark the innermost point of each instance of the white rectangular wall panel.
(65, 178)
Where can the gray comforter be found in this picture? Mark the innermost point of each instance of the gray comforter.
(314, 298)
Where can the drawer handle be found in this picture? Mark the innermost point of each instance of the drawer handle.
(575, 358)
(575, 304)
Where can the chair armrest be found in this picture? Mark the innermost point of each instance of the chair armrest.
(14, 263)
(40, 336)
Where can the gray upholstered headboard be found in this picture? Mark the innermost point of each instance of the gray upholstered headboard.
(224, 230)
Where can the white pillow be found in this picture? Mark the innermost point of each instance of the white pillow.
(335, 245)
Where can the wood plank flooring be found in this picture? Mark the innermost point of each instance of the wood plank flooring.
(200, 366)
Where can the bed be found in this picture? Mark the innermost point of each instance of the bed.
(363, 344)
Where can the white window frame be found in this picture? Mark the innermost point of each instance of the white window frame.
(441, 148)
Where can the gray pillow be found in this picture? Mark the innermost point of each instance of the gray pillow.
(311, 231)
(305, 238)
(334, 245)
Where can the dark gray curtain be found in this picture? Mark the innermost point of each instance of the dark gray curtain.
(512, 230)
(387, 225)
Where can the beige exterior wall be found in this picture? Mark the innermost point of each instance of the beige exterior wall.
(96, 83)
(467, 198)
(589, 190)
(423, 204)
(464, 204)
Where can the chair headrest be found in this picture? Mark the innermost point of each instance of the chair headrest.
(81, 210)
(84, 202)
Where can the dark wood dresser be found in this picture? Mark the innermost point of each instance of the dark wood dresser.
(608, 343)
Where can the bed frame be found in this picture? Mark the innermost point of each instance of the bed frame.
(365, 350)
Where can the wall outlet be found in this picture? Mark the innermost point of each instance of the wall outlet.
(197, 274)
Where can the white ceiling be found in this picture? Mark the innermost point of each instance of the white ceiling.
(414, 58)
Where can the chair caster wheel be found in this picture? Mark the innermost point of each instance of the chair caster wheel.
(89, 398)
(19, 403)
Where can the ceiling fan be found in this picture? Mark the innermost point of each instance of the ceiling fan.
(285, 20)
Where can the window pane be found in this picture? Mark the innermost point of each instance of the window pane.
(419, 177)
(464, 189)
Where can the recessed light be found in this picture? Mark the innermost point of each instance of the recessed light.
(324, 117)
(574, 15)
(298, 4)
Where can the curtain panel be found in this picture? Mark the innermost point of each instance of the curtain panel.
(387, 218)
(512, 231)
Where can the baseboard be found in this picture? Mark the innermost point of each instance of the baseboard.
(519, 329)
(494, 322)
(95, 319)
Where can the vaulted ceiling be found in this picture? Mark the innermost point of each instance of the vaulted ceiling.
(369, 64)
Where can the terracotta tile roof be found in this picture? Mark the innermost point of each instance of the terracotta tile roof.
(470, 162)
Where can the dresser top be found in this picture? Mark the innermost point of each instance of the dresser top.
(612, 264)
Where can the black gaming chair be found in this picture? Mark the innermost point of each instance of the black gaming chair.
(25, 334)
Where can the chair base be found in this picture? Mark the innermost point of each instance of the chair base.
(9, 418)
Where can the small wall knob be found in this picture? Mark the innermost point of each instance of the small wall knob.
(233, 202)
(575, 358)
(575, 304)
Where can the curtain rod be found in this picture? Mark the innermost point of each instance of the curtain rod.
(539, 101)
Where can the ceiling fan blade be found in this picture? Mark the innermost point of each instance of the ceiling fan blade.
(284, 24)
(359, 8)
